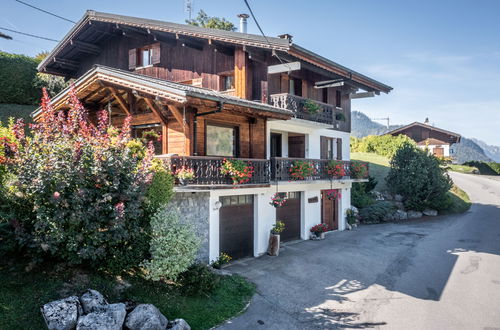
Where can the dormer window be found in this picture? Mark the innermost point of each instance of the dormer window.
(144, 56)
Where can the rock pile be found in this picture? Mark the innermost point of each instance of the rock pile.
(92, 311)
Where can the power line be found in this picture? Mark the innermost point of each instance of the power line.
(46, 12)
(260, 29)
(28, 34)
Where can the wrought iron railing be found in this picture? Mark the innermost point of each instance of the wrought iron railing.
(326, 113)
(207, 170)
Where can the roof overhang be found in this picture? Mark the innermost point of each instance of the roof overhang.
(429, 127)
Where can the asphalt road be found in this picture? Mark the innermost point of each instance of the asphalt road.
(433, 273)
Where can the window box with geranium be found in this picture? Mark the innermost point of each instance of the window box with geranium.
(278, 200)
(358, 170)
(335, 169)
(333, 194)
(319, 230)
(300, 170)
(184, 175)
(238, 170)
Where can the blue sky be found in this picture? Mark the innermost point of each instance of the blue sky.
(441, 57)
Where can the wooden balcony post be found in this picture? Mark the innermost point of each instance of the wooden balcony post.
(242, 75)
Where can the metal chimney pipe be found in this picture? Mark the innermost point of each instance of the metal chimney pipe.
(243, 22)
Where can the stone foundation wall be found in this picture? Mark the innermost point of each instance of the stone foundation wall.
(194, 210)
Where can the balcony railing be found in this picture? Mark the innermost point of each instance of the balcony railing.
(207, 170)
(326, 114)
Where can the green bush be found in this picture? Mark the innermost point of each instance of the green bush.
(17, 77)
(376, 212)
(173, 246)
(198, 280)
(161, 189)
(420, 178)
(485, 168)
(384, 145)
(361, 193)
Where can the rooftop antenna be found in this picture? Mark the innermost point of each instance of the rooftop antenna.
(386, 119)
(189, 6)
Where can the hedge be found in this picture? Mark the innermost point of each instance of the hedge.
(17, 79)
(485, 168)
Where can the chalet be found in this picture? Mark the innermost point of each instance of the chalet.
(438, 141)
(212, 95)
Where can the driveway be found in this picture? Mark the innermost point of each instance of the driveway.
(433, 273)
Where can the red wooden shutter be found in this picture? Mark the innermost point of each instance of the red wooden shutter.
(339, 149)
(132, 59)
(156, 49)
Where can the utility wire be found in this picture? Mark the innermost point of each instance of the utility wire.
(28, 34)
(45, 11)
(262, 32)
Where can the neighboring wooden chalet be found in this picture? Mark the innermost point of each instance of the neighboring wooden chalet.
(212, 94)
(438, 141)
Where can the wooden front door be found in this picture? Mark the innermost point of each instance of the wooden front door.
(329, 214)
(289, 213)
(236, 226)
(438, 151)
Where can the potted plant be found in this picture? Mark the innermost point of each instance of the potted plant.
(274, 239)
(300, 170)
(340, 116)
(278, 199)
(238, 170)
(358, 170)
(184, 175)
(223, 259)
(311, 107)
(333, 194)
(319, 230)
(335, 169)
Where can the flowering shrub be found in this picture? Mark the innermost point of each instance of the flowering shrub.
(335, 169)
(278, 227)
(358, 170)
(238, 170)
(173, 246)
(333, 194)
(301, 169)
(223, 259)
(319, 228)
(278, 200)
(85, 189)
(185, 173)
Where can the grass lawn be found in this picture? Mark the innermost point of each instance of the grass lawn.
(464, 169)
(378, 167)
(23, 293)
(460, 201)
(16, 111)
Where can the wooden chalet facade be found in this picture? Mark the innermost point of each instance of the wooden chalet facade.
(438, 141)
(212, 94)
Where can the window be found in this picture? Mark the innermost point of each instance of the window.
(147, 133)
(144, 56)
(221, 140)
(325, 95)
(330, 148)
(295, 86)
(338, 99)
(227, 82)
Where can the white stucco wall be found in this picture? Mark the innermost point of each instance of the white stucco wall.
(430, 147)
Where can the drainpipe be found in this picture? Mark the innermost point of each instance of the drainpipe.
(243, 22)
(220, 105)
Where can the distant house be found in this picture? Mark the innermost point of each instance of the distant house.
(438, 141)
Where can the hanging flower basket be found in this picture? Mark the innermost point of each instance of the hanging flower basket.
(333, 194)
(335, 169)
(238, 170)
(278, 200)
(300, 170)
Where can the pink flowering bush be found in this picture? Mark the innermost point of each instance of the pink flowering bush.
(85, 189)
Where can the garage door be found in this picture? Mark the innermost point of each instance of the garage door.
(289, 213)
(236, 226)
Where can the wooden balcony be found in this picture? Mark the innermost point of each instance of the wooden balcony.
(325, 115)
(207, 170)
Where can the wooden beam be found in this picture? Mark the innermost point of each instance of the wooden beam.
(155, 110)
(86, 47)
(362, 95)
(242, 77)
(185, 126)
(121, 102)
(285, 67)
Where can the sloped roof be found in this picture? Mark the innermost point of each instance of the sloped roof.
(173, 91)
(246, 39)
(429, 127)
(431, 141)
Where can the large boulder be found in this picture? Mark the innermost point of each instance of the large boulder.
(430, 213)
(92, 300)
(178, 324)
(62, 314)
(107, 317)
(414, 214)
(146, 317)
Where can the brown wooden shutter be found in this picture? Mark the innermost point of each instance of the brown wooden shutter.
(323, 147)
(156, 57)
(339, 149)
(132, 59)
